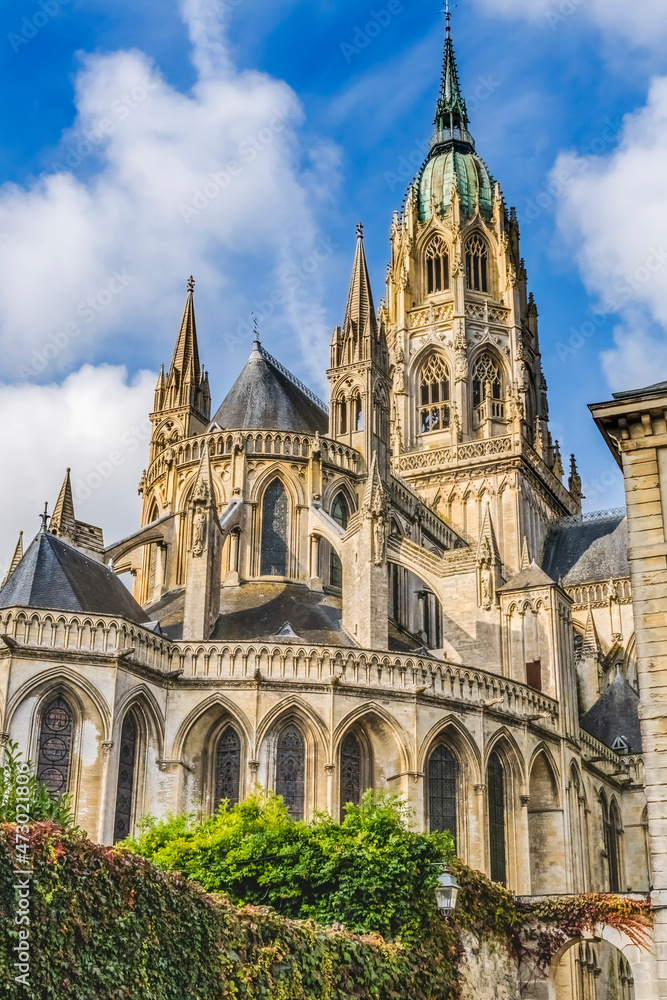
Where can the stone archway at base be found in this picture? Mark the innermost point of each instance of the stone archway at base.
(601, 966)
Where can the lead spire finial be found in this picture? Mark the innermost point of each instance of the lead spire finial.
(191, 284)
(360, 230)
(45, 516)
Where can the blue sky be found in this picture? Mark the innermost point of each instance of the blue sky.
(561, 108)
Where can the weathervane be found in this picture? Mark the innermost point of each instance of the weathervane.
(191, 284)
(447, 11)
(45, 516)
(255, 326)
(360, 230)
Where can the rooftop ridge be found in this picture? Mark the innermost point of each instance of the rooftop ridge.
(592, 515)
(293, 379)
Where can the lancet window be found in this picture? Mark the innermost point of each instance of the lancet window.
(350, 771)
(291, 770)
(442, 790)
(55, 746)
(434, 395)
(125, 788)
(228, 767)
(487, 389)
(477, 258)
(274, 530)
(437, 266)
(496, 803)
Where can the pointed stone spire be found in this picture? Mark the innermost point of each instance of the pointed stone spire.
(488, 534)
(204, 556)
(185, 381)
(63, 519)
(591, 643)
(360, 322)
(16, 559)
(558, 470)
(574, 482)
(375, 496)
(451, 115)
(525, 555)
(160, 389)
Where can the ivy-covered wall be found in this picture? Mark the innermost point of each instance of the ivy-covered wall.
(108, 925)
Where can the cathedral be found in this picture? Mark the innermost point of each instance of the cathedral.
(396, 590)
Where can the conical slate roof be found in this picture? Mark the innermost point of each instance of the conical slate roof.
(266, 397)
(614, 714)
(56, 576)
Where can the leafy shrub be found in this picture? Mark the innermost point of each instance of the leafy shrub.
(41, 805)
(371, 872)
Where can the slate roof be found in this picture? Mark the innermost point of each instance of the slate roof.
(587, 549)
(56, 576)
(615, 713)
(257, 611)
(266, 397)
(532, 576)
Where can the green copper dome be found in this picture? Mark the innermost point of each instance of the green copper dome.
(436, 183)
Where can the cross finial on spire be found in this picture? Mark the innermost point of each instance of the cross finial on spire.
(360, 230)
(45, 516)
(191, 284)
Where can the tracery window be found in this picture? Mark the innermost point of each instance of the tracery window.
(487, 389)
(625, 978)
(274, 531)
(127, 765)
(291, 770)
(228, 767)
(613, 845)
(55, 746)
(350, 771)
(437, 266)
(477, 255)
(496, 802)
(434, 393)
(442, 790)
(340, 510)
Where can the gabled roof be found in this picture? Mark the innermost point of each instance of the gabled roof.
(593, 547)
(56, 576)
(266, 397)
(614, 714)
(528, 578)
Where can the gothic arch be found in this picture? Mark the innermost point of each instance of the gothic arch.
(295, 490)
(336, 486)
(544, 749)
(299, 709)
(504, 743)
(69, 681)
(143, 701)
(453, 730)
(381, 741)
(478, 254)
(546, 835)
(216, 700)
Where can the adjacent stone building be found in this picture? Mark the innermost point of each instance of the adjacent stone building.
(397, 591)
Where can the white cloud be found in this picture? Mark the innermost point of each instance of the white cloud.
(613, 217)
(95, 422)
(645, 23)
(152, 184)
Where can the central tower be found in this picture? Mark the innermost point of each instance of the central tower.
(469, 415)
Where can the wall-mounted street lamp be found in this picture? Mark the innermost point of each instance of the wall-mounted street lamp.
(447, 890)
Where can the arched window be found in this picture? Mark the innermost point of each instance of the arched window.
(496, 801)
(614, 848)
(340, 510)
(127, 765)
(342, 416)
(434, 392)
(228, 767)
(477, 255)
(291, 770)
(274, 530)
(55, 746)
(437, 266)
(358, 414)
(442, 790)
(487, 389)
(350, 771)
(625, 978)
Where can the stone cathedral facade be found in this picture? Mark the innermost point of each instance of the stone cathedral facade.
(397, 590)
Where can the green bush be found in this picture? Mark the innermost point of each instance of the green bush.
(371, 872)
(16, 775)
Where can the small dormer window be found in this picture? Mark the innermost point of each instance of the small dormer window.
(437, 266)
(477, 256)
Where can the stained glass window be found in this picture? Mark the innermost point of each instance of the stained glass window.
(477, 254)
(127, 766)
(340, 510)
(434, 391)
(496, 800)
(274, 530)
(290, 770)
(437, 265)
(55, 746)
(350, 771)
(442, 790)
(228, 767)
